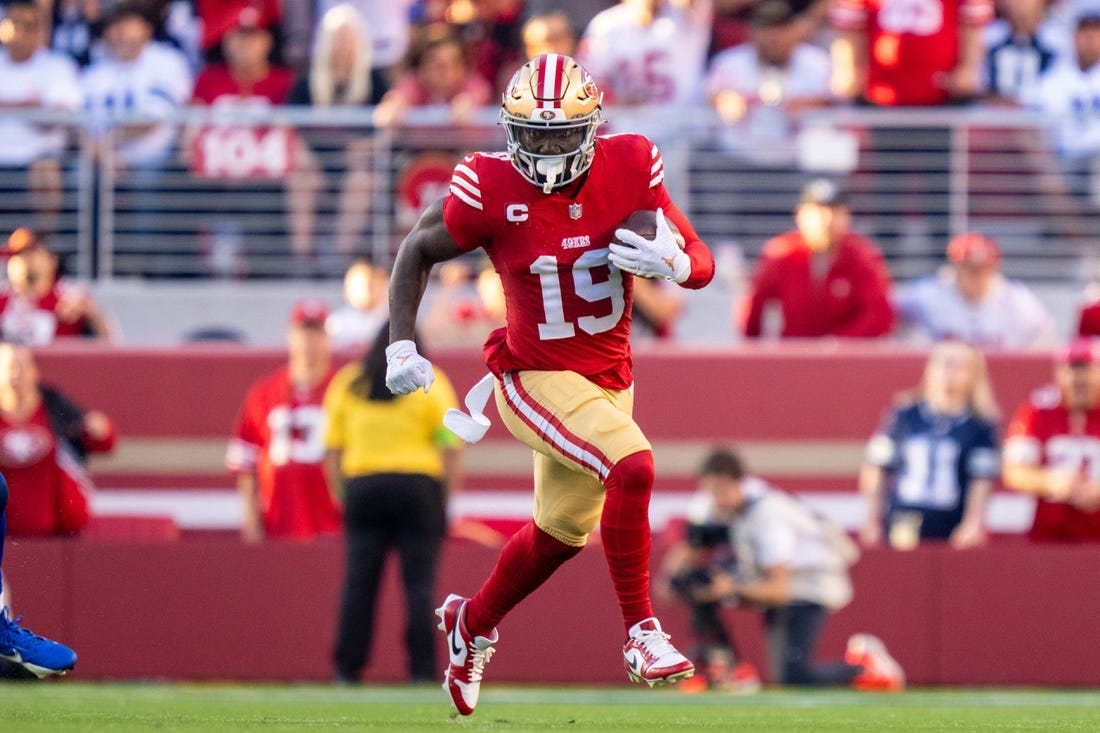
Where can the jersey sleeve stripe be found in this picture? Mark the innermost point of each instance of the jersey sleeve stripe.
(241, 456)
(458, 192)
(657, 179)
(466, 171)
(463, 183)
(551, 430)
(1023, 450)
(657, 165)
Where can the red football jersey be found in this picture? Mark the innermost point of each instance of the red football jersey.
(850, 300)
(216, 85)
(49, 489)
(35, 322)
(1043, 433)
(567, 308)
(911, 44)
(280, 436)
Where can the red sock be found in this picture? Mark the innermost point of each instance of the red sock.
(624, 527)
(528, 558)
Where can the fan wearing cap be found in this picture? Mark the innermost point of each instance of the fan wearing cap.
(277, 448)
(822, 278)
(247, 77)
(36, 304)
(970, 300)
(220, 17)
(1052, 448)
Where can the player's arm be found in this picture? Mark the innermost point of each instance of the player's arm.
(1039, 481)
(772, 588)
(762, 291)
(971, 530)
(332, 464)
(427, 244)
(252, 523)
(875, 314)
(849, 56)
(872, 486)
(965, 80)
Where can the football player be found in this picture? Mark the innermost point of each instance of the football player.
(545, 212)
(1052, 449)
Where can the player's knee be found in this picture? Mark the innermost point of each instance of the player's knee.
(635, 472)
(558, 544)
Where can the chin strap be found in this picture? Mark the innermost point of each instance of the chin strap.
(471, 427)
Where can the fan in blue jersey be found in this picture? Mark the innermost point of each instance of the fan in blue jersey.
(39, 656)
(930, 468)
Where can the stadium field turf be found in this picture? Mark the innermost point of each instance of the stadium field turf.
(75, 707)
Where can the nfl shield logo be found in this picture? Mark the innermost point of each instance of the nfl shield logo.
(575, 211)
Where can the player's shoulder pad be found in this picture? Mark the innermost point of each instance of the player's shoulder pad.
(633, 152)
(1046, 397)
(466, 177)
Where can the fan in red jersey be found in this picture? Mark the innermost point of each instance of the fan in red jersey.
(44, 440)
(909, 52)
(545, 212)
(1052, 449)
(277, 448)
(38, 305)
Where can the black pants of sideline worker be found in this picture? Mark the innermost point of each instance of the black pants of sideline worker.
(792, 636)
(382, 512)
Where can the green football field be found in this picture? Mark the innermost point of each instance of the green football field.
(30, 707)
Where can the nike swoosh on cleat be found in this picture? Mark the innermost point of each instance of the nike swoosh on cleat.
(455, 648)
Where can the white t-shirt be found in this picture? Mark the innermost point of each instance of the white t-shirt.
(1071, 98)
(659, 65)
(152, 86)
(47, 78)
(773, 529)
(766, 133)
(1009, 317)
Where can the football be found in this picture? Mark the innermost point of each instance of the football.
(644, 223)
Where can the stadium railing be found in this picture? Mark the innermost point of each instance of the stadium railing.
(228, 200)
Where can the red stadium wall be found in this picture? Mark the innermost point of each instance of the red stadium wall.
(217, 609)
(210, 607)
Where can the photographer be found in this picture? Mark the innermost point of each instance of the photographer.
(780, 557)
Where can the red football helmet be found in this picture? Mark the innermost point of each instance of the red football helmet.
(550, 112)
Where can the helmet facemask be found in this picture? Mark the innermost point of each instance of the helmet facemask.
(550, 113)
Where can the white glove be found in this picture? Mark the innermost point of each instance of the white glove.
(406, 370)
(657, 257)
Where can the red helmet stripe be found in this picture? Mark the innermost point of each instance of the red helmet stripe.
(550, 80)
